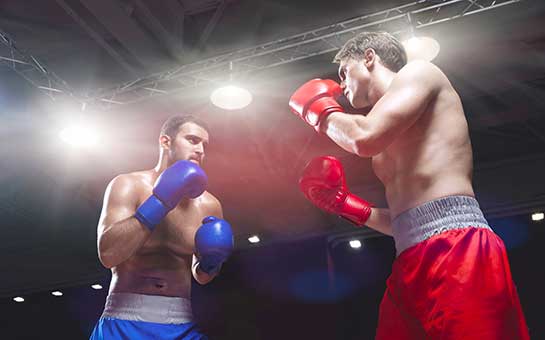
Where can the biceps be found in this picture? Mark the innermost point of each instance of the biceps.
(115, 209)
(396, 112)
(216, 210)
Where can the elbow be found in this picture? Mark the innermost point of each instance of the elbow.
(202, 281)
(106, 261)
(201, 277)
(106, 257)
(366, 147)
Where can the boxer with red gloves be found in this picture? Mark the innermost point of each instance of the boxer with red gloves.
(150, 235)
(451, 278)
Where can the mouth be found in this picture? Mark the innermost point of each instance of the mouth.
(195, 159)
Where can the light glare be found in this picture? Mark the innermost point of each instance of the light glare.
(254, 239)
(79, 136)
(421, 48)
(538, 216)
(231, 97)
(356, 244)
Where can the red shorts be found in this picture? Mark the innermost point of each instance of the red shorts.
(453, 285)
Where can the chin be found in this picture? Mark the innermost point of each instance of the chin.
(357, 105)
(361, 105)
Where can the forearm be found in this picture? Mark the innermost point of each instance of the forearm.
(346, 130)
(121, 240)
(380, 221)
(200, 276)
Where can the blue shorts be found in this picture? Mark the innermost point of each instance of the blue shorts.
(110, 328)
(137, 316)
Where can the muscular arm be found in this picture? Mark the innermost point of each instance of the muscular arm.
(120, 235)
(200, 276)
(407, 97)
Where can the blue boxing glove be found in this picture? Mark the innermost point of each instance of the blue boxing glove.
(182, 179)
(213, 244)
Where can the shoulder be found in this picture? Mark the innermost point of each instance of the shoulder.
(130, 183)
(209, 199)
(211, 203)
(421, 73)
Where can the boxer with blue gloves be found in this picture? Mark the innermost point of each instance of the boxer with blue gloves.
(150, 236)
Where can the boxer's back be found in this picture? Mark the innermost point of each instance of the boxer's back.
(162, 266)
(432, 158)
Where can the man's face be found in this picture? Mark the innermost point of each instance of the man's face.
(189, 144)
(355, 82)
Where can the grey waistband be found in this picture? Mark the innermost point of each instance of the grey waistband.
(149, 308)
(418, 224)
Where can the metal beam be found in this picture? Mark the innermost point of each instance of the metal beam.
(212, 24)
(32, 70)
(423, 13)
(282, 51)
(125, 30)
(96, 37)
(170, 41)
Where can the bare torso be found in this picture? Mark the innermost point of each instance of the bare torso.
(431, 159)
(162, 266)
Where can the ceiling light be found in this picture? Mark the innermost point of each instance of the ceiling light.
(96, 286)
(56, 293)
(18, 299)
(231, 97)
(356, 244)
(421, 48)
(254, 239)
(76, 135)
(538, 216)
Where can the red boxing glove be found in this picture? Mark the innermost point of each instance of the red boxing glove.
(315, 100)
(323, 183)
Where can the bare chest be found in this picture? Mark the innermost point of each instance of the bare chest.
(395, 158)
(175, 234)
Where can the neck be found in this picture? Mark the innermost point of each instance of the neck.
(382, 78)
(162, 163)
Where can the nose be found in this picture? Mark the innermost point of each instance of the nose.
(199, 149)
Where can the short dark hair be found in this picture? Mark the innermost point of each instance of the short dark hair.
(172, 125)
(391, 51)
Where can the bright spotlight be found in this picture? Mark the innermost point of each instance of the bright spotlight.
(79, 136)
(231, 97)
(421, 48)
(254, 239)
(56, 293)
(538, 216)
(355, 244)
(96, 286)
(18, 299)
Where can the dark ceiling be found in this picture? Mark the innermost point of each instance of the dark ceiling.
(51, 194)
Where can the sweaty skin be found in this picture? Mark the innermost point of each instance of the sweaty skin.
(416, 133)
(159, 262)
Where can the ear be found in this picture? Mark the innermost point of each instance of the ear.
(369, 57)
(164, 142)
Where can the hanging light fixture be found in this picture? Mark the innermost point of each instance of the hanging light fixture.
(420, 47)
(231, 97)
